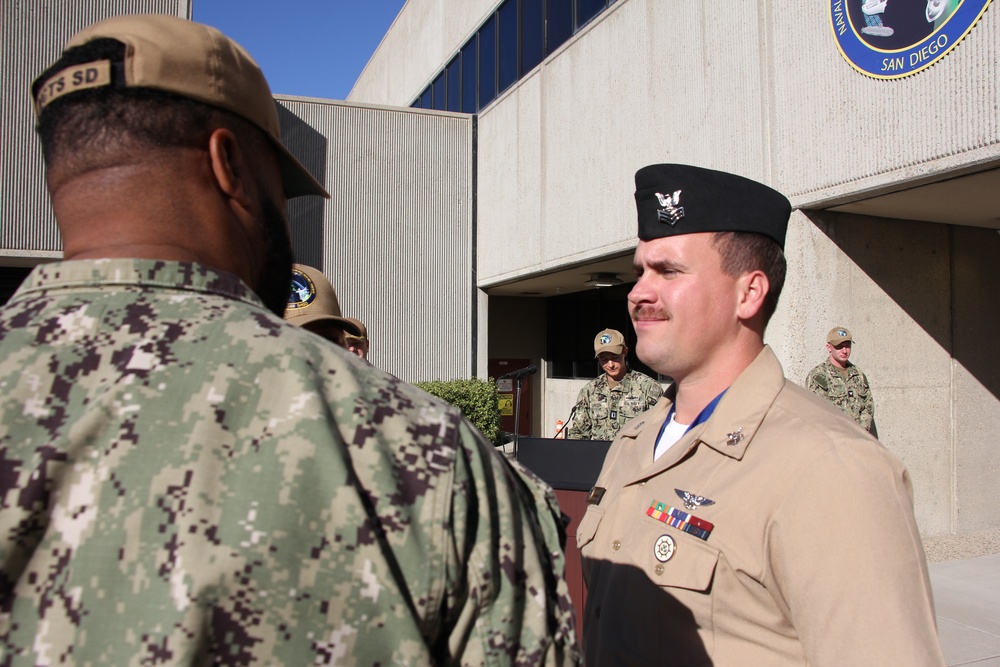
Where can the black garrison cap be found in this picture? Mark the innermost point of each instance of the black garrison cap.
(674, 199)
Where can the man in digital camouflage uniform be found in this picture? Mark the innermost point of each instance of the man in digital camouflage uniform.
(184, 477)
(841, 382)
(742, 520)
(608, 401)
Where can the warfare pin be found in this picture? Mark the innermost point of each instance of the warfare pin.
(664, 548)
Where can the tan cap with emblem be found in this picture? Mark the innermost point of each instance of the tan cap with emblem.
(838, 335)
(609, 340)
(313, 299)
(188, 59)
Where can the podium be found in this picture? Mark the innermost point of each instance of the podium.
(571, 468)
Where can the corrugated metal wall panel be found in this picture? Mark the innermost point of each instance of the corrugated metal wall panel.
(32, 33)
(396, 237)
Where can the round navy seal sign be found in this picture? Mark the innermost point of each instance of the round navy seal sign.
(890, 39)
(303, 291)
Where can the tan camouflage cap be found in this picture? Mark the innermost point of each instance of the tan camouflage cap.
(313, 299)
(838, 335)
(188, 59)
(609, 340)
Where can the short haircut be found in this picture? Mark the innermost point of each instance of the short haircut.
(96, 128)
(742, 252)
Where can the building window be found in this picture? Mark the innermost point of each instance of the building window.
(438, 99)
(454, 77)
(574, 320)
(488, 62)
(513, 41)
(588, 9)
(558, 23)
(469, 76)
(532, 31)
(507, 40)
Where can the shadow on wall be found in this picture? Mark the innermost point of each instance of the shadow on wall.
(305, 214)
(943, 276)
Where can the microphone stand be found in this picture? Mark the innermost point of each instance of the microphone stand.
(517, 412)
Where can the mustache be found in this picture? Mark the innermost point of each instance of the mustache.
(647, 312)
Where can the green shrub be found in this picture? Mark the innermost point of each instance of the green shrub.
(477, 399)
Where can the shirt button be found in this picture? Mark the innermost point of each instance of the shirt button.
(616, 545)
(658, 569)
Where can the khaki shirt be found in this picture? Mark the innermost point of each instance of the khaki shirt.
(812, 554)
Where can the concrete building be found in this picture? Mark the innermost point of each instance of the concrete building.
(896, 183)
(396, 239)
(465, 231)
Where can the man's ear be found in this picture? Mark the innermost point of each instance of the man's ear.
(753, 289)
(229, 166)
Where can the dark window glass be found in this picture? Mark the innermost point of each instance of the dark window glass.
(507, 37)
(558, 24)
(425, 99)
(439, 97)
(532, 23)
(469, 77)
(454, 76)
(574, 320)
(488, 62)
(588, 9)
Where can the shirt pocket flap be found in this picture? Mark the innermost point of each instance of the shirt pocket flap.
(673, 558)
(587, 529)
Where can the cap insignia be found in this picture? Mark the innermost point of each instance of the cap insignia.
(303, 291)
(605, 339)
(671, 213)
(841, 332)
(692, 501)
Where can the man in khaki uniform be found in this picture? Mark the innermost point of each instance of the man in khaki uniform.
(741, 521)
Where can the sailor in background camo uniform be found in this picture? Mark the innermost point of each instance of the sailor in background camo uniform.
(187, 479)
(841, 382)
(610, 400)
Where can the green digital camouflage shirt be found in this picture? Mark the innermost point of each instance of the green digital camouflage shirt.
(601, 411)
(186, 479)
(850, 393)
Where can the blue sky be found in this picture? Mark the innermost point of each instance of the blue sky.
(313, 48)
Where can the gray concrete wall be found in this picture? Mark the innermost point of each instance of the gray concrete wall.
(752, 88)
(920, 299)
(557, 153)
(395, 239)
(32, 34)
(424, 37)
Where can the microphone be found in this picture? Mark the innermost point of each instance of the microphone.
(527, 370)
(566, 423)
